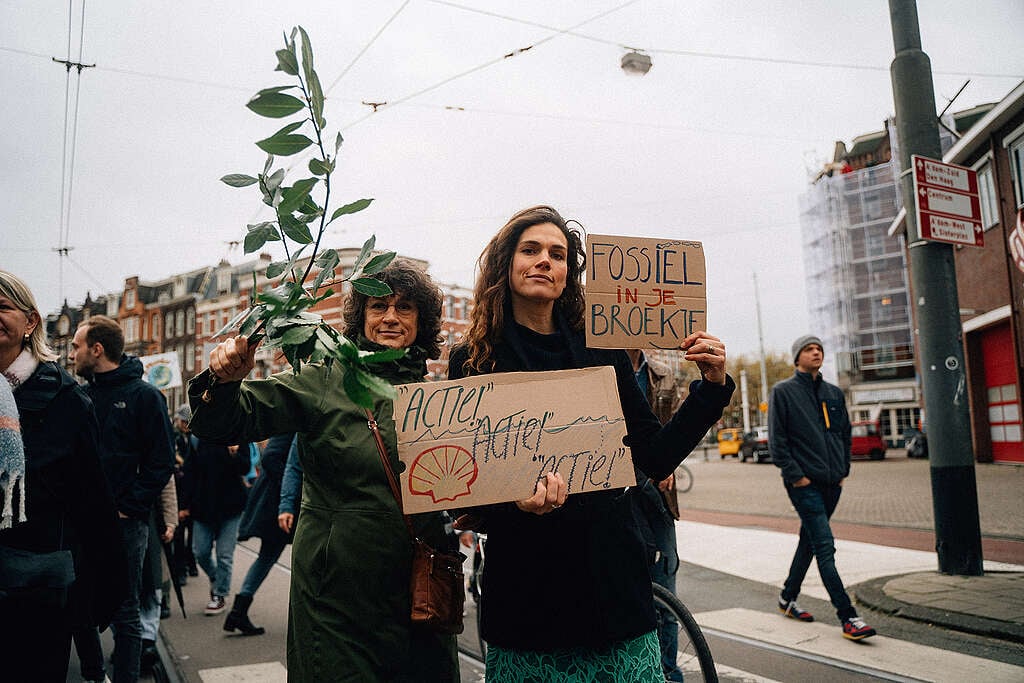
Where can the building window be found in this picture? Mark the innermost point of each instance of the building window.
(190, 321)
(154, 331)
(168, 326)
(190, 357)
(179, 323)
(129, 298)
(1016, 152)
(213, 324)
(987, 195)
(131, 330)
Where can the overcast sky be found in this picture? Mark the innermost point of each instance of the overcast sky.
(715, 143)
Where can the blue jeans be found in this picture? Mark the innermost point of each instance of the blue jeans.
(815, 504)
(126, 625)
(224, 535)
(270, 551)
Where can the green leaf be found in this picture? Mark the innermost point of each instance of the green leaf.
(379, 263)
(337, 143)
(284, 145)
(310, 206)
(307, 55)
(274, 180)
(292, 197)
(275, 105)
(354, 207)
(295, 230)
(320, 167)
(275, 269)
(364, 253)
(358, 393)
(239, 180)
(289, 128)
(260, 234)
(381, 356)
(234, 321)
(374, 384)
(327, 262)
(371, 287)
(250, 323)
(298, 335)
(316, 100)
(270, 162)
(287, 63)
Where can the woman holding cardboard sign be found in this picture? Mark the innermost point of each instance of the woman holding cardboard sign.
(349, 604)
(581, 556)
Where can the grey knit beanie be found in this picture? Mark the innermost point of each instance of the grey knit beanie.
(803, 341)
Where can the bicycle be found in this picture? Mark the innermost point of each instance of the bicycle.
(693, 656)
(684, 478)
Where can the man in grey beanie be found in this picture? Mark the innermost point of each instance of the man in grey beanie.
(809, 439)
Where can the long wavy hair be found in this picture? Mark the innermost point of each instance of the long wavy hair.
(492, 291)
(15, 289)
(410, 281)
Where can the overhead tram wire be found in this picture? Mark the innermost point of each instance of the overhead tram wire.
(708, 55)
(514, 53)
(366, 47)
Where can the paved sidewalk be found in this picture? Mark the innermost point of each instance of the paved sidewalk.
(990, 605)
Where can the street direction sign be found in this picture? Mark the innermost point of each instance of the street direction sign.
(947, 202)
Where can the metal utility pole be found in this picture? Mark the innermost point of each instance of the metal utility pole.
(764, 369)
(933, 276)
(745, 402)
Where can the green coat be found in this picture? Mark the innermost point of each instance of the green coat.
(349, 606)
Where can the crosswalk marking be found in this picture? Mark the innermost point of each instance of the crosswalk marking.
(899, 657)
(268, 672)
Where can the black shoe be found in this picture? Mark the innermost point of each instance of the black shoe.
(193, 571)
(238, 618)
(181, 579)
(148, 657)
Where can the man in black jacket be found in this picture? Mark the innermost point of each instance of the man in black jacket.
(809, 439)
(137, 456)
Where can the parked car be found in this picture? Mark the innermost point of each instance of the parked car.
(729, 441)
(867, 440)
(755, 446)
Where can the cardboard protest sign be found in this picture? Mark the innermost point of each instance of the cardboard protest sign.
(488, 439)
(644, 292)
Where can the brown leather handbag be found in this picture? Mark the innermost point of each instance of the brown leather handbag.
(437, 588)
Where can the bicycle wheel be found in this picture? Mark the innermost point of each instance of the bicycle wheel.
(693, 656)
(684, 478)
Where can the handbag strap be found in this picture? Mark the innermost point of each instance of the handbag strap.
(396, 491)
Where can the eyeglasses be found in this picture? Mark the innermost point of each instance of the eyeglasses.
(378, 308)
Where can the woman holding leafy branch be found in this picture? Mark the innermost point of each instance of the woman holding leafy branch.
(349, 606)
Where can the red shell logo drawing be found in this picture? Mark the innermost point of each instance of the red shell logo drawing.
(443, 473)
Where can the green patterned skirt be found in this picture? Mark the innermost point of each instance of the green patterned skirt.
(627, 661)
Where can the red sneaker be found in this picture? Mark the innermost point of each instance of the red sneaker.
(854, 628)
(793, 610)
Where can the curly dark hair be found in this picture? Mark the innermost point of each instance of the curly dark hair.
(492, 289)
(408, 280)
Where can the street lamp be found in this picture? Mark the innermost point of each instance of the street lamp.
(636, 63)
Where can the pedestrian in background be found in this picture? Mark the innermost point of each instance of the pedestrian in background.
(259, 519)
(349, 614)
(594, 613)
(809, 439)
(291, 491)
(136, 454)
(656, 507)
(62, 503)
(185, 445)
(163, 521)
(214, 501)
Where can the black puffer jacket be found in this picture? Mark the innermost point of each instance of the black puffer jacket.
(69, 505)
(136, 440)
(214, 477)
(802, 440)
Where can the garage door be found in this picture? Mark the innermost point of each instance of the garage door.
(1004, 415)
